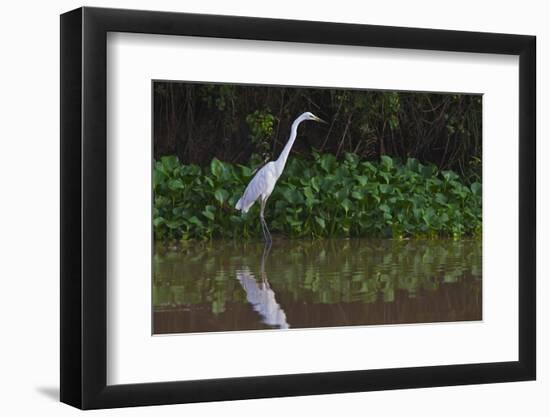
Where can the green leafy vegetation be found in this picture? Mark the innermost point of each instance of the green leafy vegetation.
(316, 197)
(260, 124)
(232, 122)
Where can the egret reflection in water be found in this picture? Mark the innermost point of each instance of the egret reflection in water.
(235, 285)
(261, 296)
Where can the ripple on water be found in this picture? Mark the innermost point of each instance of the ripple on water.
(224, 286)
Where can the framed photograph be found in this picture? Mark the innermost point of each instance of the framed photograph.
(256, 208)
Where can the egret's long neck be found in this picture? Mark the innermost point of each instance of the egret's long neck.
(281, 161)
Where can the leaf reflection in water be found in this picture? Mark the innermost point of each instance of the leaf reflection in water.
(224, 286)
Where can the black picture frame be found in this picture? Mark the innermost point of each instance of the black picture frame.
(84, 207)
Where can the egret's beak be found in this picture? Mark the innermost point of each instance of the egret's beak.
(317, 119)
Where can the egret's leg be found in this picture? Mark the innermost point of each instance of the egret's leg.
(263, 229)
(262, 222)
(269, 240)
(265, 255)
(267, 235)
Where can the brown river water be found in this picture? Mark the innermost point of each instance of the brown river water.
(234, 286)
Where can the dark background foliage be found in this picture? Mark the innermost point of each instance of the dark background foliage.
(197, 122)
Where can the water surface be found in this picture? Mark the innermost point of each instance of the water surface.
(225, 286)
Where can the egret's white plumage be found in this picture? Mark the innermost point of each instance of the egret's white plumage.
(261, 186)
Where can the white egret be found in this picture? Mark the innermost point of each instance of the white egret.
(264, 181)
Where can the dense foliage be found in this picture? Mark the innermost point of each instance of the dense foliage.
(316, 197)
(197, 122)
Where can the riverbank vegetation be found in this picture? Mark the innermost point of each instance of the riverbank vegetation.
(233, 122)
(388, 163)
(320, 196)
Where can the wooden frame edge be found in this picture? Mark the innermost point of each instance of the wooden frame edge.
(83, 208)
